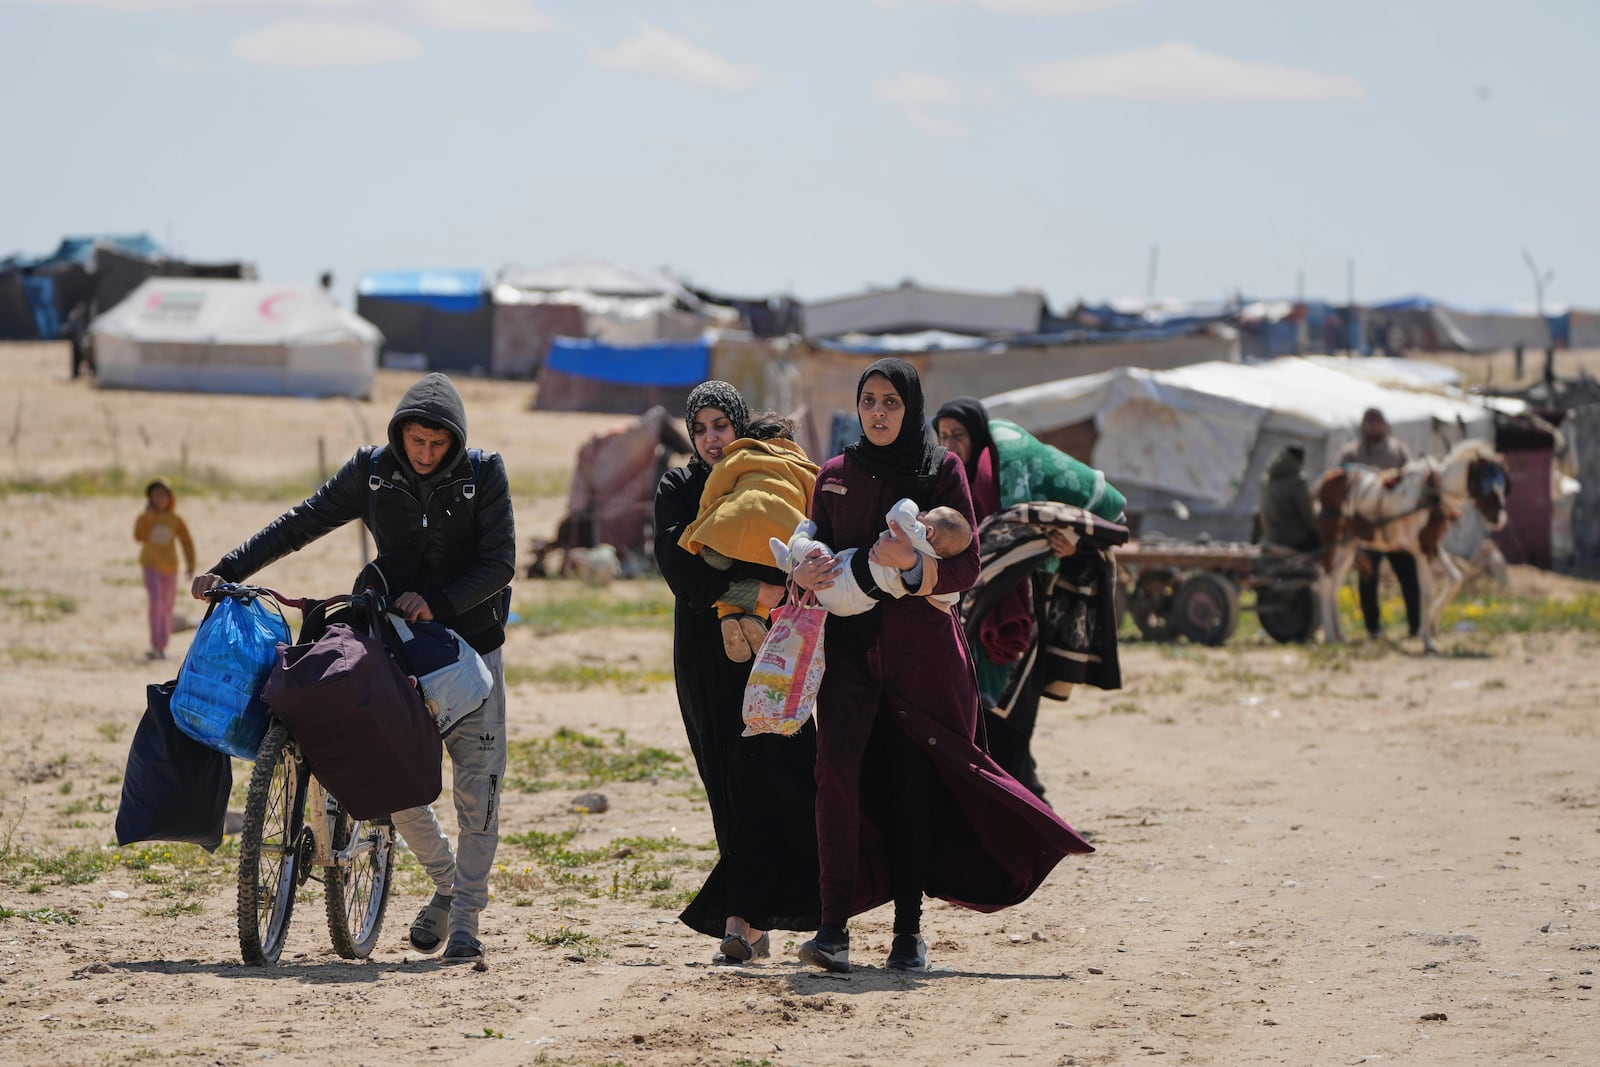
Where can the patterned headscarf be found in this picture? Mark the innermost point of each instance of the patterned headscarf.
(722, 396)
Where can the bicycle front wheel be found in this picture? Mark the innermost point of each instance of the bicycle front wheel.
(269, 846)
(358, 883)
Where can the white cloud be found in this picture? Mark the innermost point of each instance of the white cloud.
(914, 94)
(933, 124)
(1180, 72)
(914, 87)
(306, 43)
(660, 54)
(1020, 7)
(501, 16)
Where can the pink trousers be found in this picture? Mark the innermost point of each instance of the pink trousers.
(161, 590)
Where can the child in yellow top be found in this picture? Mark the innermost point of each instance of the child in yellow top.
(160, 531)
(762, 484)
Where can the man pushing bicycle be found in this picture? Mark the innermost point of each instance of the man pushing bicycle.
(440, 515)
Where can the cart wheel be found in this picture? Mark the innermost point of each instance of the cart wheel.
(1288, 616)
(1206, 608)
(1150, 602)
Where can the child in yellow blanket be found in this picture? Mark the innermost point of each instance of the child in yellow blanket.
(760, 489)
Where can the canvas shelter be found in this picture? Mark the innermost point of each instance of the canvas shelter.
(222, 336)
(612, 497)
(826, 373)
(1200, 436)
(620, 305)
(910, 307)
(1435, 327)
(445, 316)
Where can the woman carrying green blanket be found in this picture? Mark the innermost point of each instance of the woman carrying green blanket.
(1006, 465)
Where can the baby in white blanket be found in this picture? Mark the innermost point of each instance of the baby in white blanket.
(941, 533)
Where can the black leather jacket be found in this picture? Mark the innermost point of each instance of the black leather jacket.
(459, 554)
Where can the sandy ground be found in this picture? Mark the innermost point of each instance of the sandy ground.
(1304, 858)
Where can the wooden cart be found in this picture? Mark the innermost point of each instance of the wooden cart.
(1192, 589)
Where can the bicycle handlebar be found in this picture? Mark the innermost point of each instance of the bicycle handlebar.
(246, 593)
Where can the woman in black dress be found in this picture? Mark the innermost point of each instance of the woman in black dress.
(761, 789)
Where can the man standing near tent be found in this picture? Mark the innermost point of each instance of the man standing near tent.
(440, 515)
(1377, 447)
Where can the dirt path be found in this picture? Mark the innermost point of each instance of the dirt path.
(1305, 856)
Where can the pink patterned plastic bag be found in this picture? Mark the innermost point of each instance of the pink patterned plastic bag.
(782, 692)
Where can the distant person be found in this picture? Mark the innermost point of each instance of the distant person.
(76, 331)
(1333, 332)
(161, 531)
(325, 279)
(1377, 447)
(1283, 516)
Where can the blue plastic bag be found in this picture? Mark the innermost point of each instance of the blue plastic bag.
(233, 651)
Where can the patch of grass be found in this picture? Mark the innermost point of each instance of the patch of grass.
(46, 915)
(176, 909)
(1341, 657)
(565, 936)
(541, 481)
(584, 675)
(115, 480)
(639, 879)
(111, 731)
(1243, 676)
(99, 803)
(80, 866)
(558, 614)
(1524, 615)
(635, 869)
(570, 758)
(36, 606)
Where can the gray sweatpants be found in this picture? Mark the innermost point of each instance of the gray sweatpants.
(477, 748)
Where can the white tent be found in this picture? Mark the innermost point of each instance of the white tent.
(909, 307)
(1202, 434)
(620, 305)
(215, 335)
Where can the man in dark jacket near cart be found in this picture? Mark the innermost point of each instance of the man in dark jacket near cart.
(440, 516)
(1283, 516)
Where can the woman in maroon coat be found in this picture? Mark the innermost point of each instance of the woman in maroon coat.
(908, 801)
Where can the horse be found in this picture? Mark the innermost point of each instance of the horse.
(1405, 510)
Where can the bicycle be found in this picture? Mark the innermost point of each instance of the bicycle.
(292, 827)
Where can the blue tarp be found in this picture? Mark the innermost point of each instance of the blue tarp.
(442, 290)
(80, 250)
(660, 363)
(41, 290)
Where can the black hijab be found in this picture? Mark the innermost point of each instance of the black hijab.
(970, 413)
(909, 463)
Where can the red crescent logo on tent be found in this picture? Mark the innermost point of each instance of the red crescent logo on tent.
(267, 310)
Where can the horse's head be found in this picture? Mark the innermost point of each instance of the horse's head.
(1489, 486)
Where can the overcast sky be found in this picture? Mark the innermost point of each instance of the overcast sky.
(818, 146)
